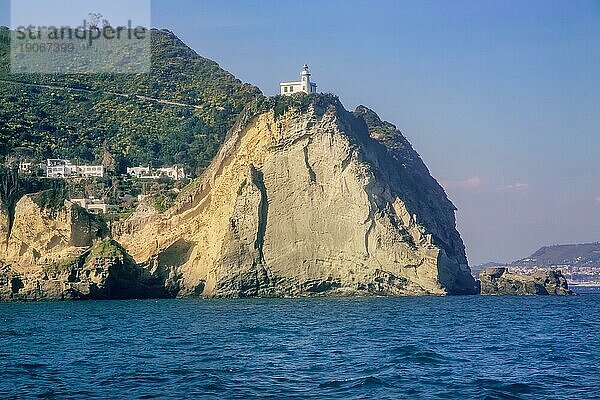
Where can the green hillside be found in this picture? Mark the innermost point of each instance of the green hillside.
(188, 103)
(575, 255)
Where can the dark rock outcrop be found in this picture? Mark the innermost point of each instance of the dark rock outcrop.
(499, 281)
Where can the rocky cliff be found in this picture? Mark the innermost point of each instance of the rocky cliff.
(44, 229)
(54, 250)
(105, 271)
(305, 199)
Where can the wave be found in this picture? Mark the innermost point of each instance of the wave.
(363, 382)
(414, 354)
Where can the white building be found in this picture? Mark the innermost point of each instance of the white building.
(305, 85)
(57, 168)
(95, 206)
(26, 167)
(138, 172)
(175, 172)
(90, 171)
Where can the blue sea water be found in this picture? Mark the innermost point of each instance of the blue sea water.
(368, 348)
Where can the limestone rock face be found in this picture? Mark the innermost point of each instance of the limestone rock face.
(301, 200)
(3, 227)
(308, 202)
(499, 281)
(58, 253)
(10, 282)
(105, 271)
(41, 236)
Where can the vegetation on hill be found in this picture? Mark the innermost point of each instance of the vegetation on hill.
(576, 255)
(133, 117)
(106, 248)
(52, 199)
(179, 113)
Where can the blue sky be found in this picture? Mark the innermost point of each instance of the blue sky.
(500, 98)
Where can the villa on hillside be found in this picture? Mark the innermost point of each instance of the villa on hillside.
(25, 167)
(303, 86)
(138, 172)
(176, 172)
(58, 168)
(95, 206)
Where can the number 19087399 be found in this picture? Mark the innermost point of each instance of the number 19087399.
(46, 47)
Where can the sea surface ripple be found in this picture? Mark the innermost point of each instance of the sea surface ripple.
(367, 348)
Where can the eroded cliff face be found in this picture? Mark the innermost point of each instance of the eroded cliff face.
(311, 200)
(62, 253)
(40, 236)
(318, 201)
(3, 227)
(104, 271)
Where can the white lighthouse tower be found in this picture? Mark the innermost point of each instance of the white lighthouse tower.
(305, 85)
(305, 79)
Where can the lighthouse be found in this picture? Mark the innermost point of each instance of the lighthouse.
(303, 86)
(305, 79)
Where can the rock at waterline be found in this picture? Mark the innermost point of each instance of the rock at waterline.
(499, 281)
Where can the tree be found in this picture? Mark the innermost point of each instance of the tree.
(94, 20)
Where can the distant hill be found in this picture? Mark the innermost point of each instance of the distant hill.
(573, 255)
(179, 113)
(579, 262)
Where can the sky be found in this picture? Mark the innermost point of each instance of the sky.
(500, 98)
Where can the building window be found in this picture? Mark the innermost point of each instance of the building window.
(291, 88)
(285, 88)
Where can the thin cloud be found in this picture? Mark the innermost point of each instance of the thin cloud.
(597, 199)
(469, 183)
(518, 186)
(513, 187)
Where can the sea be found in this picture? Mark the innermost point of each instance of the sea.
(312, 348)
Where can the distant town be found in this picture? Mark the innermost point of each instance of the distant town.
(577, 275)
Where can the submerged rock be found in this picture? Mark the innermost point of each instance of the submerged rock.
(499, 281)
